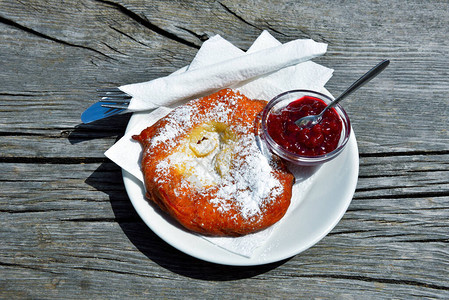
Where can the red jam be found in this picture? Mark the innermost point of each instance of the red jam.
(317, 140)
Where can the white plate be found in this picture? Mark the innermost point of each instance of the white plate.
(320, 210)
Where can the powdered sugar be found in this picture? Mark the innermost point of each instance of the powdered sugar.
(180, 119)
(243, 174)
(251, 182)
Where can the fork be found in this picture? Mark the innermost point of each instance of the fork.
(112, 102)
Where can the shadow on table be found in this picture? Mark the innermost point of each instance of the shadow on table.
(108, 179)
(112, 126)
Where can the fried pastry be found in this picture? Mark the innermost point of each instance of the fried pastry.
(202, 165)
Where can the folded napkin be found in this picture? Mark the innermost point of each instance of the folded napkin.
(208, 78)
(265, 70)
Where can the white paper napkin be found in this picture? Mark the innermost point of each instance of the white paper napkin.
(219, 54)
(208, 78)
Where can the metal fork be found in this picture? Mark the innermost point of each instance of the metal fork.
(112, 102)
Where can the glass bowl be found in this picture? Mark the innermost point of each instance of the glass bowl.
(280, 102)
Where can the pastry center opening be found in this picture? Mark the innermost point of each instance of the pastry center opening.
(204, 156)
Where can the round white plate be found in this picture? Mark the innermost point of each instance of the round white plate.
(319, 211)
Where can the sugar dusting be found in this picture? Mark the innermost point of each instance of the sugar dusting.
(249, 183)
(181, 118)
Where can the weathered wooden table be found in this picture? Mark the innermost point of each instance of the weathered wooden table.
(67, 227)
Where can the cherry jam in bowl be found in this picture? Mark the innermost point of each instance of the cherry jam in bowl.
(304, 146)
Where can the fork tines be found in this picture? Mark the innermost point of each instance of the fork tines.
(113, 98)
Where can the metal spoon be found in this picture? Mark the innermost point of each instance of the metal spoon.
(311, 120)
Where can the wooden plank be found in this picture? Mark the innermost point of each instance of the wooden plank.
(72, 68)
(71, 255)
(378, 233)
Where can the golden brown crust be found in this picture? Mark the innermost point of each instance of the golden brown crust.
(244, 192)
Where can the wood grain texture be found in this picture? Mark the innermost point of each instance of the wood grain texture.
(67, 227)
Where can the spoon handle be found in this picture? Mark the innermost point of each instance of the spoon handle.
(361, 81)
